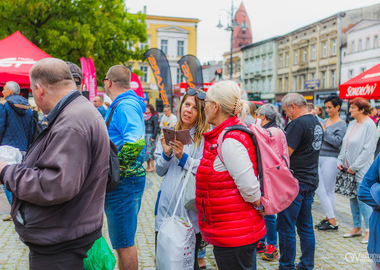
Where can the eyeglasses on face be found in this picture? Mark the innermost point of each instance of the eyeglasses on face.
(105, 79)
(192, 92)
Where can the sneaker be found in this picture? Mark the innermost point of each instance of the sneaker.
(261, 247)
(323, 221)
(7, 218)
(271, 253)
(327, 226)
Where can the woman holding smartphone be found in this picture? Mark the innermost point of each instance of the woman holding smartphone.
(172, 159)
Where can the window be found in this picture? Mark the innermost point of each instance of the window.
(324, 49)
(252, 69)
(332, 78)
(323, 79)
(257, 86)
(295, 83)
(375, 42)
(362, 69)
(352, 46)
(304, 55)
(280, 84)
(264, 63)
(296, 57)
(280, 64)
(270, 58)
(270, 84)
(143, 45)
(257, 64)
(144, 78)
(350, 74)
(360, 45)
(246, 67)
(302, 81)
(313, 52)
(334, 46)
(367, 43)
(263, 86)
(180, 76)
(286, 83)
(180, 47)
(164, 46)
(312, 76)
(286, 59)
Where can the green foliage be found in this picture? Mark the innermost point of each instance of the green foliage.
(70, 29)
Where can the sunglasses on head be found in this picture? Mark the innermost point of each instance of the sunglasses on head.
(192, 92)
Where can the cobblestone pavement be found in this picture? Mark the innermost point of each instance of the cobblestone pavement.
(332, 251)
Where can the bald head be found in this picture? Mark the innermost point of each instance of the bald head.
(52, 73)
(120, 76)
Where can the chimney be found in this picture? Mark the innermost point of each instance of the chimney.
(144, 10)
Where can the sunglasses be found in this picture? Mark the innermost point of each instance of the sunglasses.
(192, 92)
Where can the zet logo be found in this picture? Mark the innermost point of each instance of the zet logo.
(16, 61)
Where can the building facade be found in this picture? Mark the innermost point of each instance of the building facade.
(260, 70)
(363, 49)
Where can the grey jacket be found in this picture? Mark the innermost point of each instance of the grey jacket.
(59, 189)
(359, 152)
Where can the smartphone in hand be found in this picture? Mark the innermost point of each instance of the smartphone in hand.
(180, 135)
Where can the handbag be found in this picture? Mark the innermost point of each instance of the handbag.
(189, 196)
(99, 256)
(345, 184)
(176, 237)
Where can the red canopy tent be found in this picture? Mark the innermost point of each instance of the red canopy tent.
(17, 56)
(366, 85)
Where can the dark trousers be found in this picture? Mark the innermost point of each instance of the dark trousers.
(299, 215)
(198, 239)
(236, 258)
(70, 259)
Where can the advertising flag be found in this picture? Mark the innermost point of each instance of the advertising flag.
(84, 65)
(161, 70)
(192, 70)
(136, 85)
(92, 86)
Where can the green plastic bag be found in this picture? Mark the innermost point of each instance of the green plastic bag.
(100, 256)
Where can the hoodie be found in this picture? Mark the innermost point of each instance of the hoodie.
(127, 132)
(16, 122)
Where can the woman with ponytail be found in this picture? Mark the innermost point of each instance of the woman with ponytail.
(228, 192)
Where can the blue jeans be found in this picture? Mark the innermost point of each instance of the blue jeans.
(271, 236)
(8, 194)
(122, 206)
(297, 214)
(359, 209)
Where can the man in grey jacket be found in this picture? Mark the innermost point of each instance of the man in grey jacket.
(59, 189)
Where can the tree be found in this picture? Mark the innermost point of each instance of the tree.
(70, 29)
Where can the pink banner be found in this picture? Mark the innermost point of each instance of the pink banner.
(136, 85)
(92, 86)
(84, 65)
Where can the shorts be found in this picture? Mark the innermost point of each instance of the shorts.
(122, 207)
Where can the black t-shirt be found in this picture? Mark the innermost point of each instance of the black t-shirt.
(304, 134)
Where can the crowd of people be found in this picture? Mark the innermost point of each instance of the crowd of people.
(58, 211)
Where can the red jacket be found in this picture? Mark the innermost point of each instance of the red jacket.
(224, 218)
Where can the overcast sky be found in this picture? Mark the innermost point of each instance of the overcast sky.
(268, 18)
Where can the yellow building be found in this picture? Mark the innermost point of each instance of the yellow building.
(176, 37)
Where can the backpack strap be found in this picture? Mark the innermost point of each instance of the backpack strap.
(223, 134)
(111, 113)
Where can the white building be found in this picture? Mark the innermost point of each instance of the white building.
(362, 51)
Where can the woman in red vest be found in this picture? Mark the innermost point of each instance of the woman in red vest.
(228, 194)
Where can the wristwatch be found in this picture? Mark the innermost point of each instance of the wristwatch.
(260, 208)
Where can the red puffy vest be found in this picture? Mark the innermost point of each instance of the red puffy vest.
(224, 218)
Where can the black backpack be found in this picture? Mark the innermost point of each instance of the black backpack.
(114, 163)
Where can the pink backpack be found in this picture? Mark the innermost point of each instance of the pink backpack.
(278, 186)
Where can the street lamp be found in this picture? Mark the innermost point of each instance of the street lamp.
(230, 27)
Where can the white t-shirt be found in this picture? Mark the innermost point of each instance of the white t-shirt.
(170, 121)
